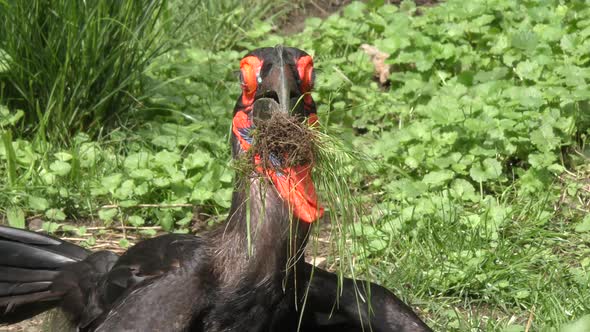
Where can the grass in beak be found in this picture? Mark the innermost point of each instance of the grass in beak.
(283, 141)
(332, 161)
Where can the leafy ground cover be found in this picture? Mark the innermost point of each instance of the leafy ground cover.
(479, 187)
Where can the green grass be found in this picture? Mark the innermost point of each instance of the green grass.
(479, 276)
(222, 25)
(478, 187)
(74, 66)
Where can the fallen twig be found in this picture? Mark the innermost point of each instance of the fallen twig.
(120, 228)
(161, 206)
(530, 320)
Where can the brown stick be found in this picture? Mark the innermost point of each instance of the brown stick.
(119, 227)
(530, 321)
(161, 206)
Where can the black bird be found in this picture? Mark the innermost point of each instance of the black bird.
(224, 280)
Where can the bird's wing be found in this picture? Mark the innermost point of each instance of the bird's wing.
(158, 281)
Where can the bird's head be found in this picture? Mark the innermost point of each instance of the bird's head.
(278, 80)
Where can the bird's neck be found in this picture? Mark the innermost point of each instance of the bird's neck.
(260, 240)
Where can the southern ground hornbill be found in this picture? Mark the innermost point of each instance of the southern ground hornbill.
(225, 280)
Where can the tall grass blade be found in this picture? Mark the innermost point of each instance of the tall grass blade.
(10, 157)
(75, 65)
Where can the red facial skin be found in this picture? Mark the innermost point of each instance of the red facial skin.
(294, 184)
(250, 69)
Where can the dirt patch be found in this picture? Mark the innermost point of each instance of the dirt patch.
(418, 2)
(294, 21)
(34, 324)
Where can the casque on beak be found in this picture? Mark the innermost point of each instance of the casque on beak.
(278, 86)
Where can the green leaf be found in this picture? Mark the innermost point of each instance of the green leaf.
(81, 231)
(165, 219)
(531, 97)
(107, 214)
(493, 168)
(15, 217)
(514, 328)
(438, 177)
(126, 190)
(166, 141)
(148, 232)
(201, 194)
(51, 227)
(38, 203)
(464, 189)
(478, 173)
(55, 214)
(528, 70)
(580, 325)
(124, 243)
(128, 203)
(89, 154)
(48, 177)
(141, 189)
(137, 160)
(223, 198)
(488, 170)
(142, 174)
(186, 220)
(354, 10)
(112, 182)
(60, 167)
(6, 117)
(166, 158)
(196, 160)
(378, 244)
(584, 226)
(91, 241)
(544, 138)
(62, 156)
(525, 40)
(136, 221)
(161, 182)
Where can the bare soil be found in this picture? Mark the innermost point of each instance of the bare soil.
(31, 325)
(295, 21)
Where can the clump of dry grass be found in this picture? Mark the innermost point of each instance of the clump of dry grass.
(283, 141)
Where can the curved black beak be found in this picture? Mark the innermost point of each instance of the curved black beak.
(279, 84)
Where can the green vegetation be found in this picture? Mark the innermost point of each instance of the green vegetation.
(478, 193)
(74, 66)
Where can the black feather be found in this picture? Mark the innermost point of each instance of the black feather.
(23, 255)
(42, 240)
(12, 289)
(29, 237)
(14, 274)
(13, 301)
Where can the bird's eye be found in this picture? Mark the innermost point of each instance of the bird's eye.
(242, 83)
(250, 74)
(306, 73)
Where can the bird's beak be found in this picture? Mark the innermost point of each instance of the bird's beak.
(278, 92)
(284, 84)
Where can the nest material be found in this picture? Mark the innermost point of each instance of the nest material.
(283, 141)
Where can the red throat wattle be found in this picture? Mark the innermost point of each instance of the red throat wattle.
(294, 184)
